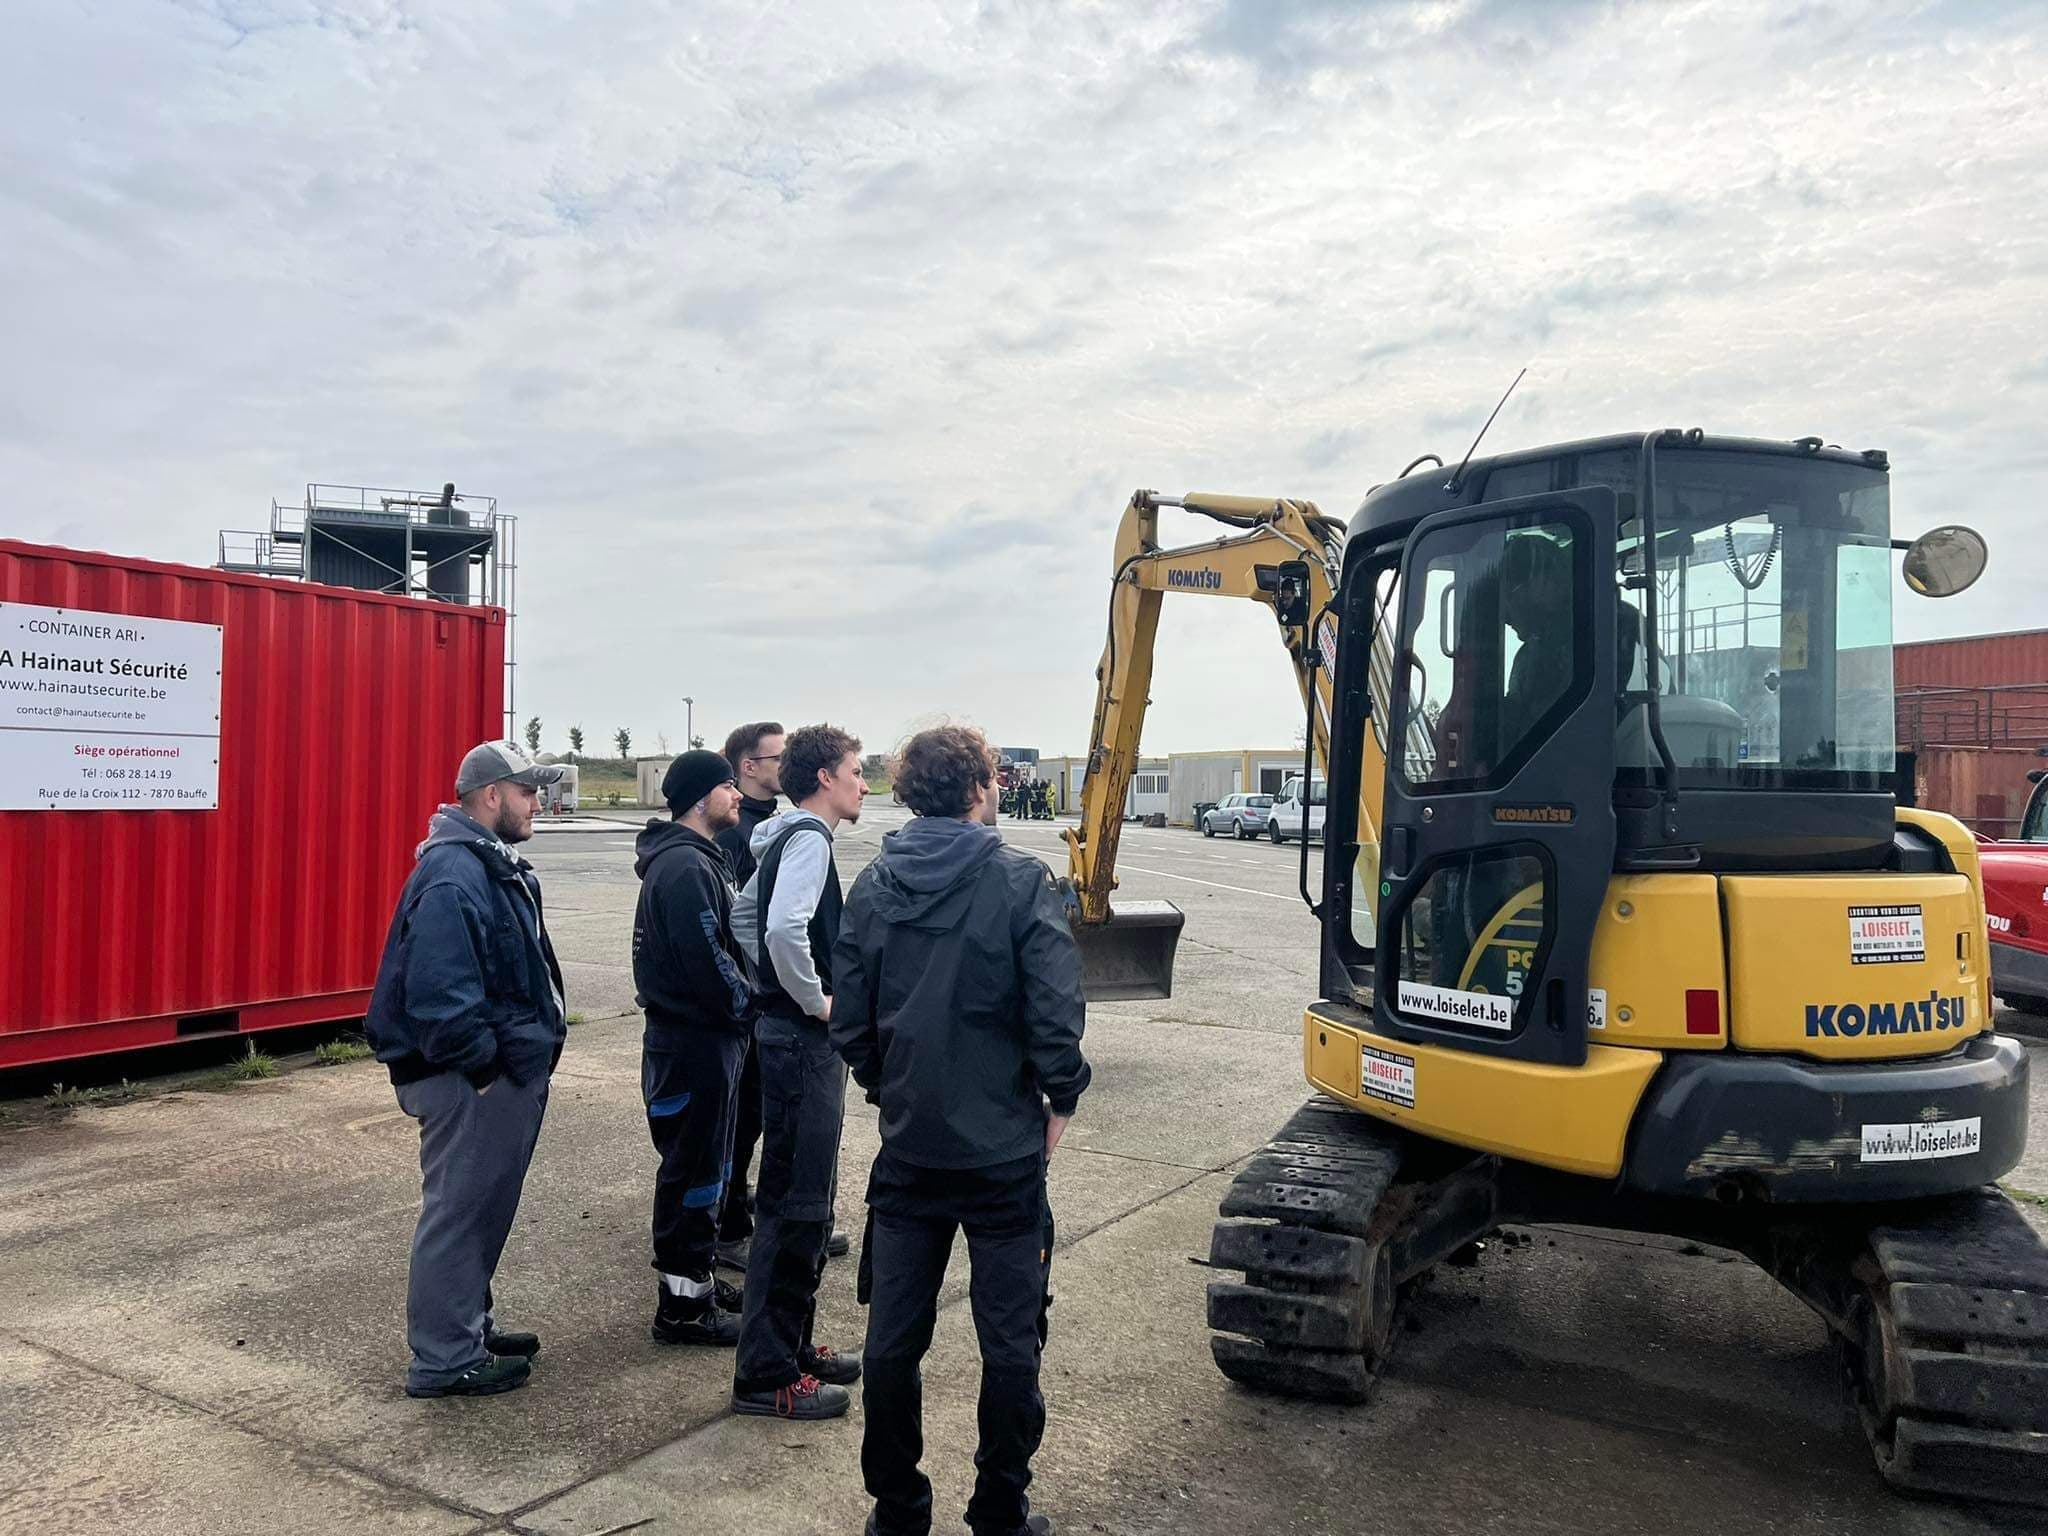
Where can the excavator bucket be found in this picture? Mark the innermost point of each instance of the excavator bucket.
(1130, 957)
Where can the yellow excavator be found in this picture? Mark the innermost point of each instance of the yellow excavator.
(1621, 924)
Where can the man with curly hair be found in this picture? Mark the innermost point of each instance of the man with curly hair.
(957, 1003)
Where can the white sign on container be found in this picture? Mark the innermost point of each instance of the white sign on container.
(107, 711)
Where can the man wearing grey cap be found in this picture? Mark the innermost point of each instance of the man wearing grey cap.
(468, 1018)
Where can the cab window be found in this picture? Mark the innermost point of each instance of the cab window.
(1493, 654)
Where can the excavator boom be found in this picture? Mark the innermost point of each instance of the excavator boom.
(1284, 554)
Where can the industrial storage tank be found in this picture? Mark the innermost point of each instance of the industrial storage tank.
(211, 786)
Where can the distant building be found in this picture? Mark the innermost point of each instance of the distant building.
(1204, 778)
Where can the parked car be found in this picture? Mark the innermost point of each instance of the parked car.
(1241, 816)
(1288, 812)
(2016, 905)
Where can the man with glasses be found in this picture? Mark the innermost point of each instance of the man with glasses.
(754, 753)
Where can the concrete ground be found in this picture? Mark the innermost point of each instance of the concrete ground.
(203, 1329)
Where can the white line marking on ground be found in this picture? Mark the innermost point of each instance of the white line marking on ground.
(1242, 890)
(365, 1124)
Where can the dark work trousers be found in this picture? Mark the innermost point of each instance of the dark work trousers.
(736, 1218)
(803, 1108)
(690, 1080)
(474, 1152)
(914, 1212)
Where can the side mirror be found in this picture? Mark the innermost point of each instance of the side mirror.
(1944, 561)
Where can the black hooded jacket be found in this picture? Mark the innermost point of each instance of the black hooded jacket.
(956, 996)
(686, 968)
(737, 841)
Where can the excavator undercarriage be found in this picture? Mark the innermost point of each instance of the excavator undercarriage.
(1938, 1309)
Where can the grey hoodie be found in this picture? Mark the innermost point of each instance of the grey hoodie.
(799, 883)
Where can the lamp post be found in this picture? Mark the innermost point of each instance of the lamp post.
(689, 722)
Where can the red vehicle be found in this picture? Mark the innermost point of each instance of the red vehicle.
(2016, 906)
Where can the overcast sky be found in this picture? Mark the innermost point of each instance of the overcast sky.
(817, 346)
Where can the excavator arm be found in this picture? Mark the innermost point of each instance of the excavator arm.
(1284, 554)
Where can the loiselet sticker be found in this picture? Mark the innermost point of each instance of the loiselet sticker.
(1387, 1076)
(1887, 935)
(1922, 1141)
(1452, 1005)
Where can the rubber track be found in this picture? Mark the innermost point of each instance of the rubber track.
(1296, 1220)
(1962, 1293)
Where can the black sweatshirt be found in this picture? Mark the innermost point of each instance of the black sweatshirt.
(956, 996)
(686, 967)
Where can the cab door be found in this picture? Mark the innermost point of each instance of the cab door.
(1499, 826)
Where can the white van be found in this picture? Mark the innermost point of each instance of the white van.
(1285, 822)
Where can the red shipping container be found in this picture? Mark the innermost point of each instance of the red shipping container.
(1973, 661)
(343, 716)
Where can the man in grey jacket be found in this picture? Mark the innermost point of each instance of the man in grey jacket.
(468, 1018)
(785, 922)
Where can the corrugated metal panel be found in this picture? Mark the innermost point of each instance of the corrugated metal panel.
(1975, 661)
(1196, 776)
(1985, 788)
(343, 716)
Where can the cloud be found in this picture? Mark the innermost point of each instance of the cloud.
(818, 347)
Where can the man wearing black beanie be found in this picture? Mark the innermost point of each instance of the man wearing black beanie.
(700, 1015)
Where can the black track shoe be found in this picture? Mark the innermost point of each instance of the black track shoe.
(524, 1345)
(828, 1364)
(693, 1320)
(837, 1245)
(495, 1375)
(730, 1298)
(805, 1398)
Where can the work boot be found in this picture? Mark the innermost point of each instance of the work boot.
(733, 1255)
(805, 1398)
(497, 1374)
(524, 1345)
(827, 1364)
(837, 1244)
(693, 1320)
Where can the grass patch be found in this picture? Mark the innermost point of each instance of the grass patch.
(335, 1053)
(2026, 1196)
(62, 1097)
(572, 1020)
(251, 1065)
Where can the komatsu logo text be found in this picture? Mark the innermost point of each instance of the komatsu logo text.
(1201, 580)
(1914, 1016)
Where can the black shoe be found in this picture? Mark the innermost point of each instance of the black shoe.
(805, 1398)
(687, 1320)
(829, 1365)
(734, 1255)
(730, 1298)
(837, 1244)
(523, 1345)
(495, 1375)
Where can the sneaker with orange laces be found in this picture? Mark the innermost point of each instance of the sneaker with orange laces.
(828, 1365)
(805, 1398)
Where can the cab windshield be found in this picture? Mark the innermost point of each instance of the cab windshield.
(1774, 622)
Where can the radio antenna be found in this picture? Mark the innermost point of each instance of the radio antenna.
(1459, 473)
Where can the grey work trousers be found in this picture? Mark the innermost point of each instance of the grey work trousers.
(474, 1152)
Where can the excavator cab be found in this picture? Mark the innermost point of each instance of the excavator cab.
(1660, 656)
